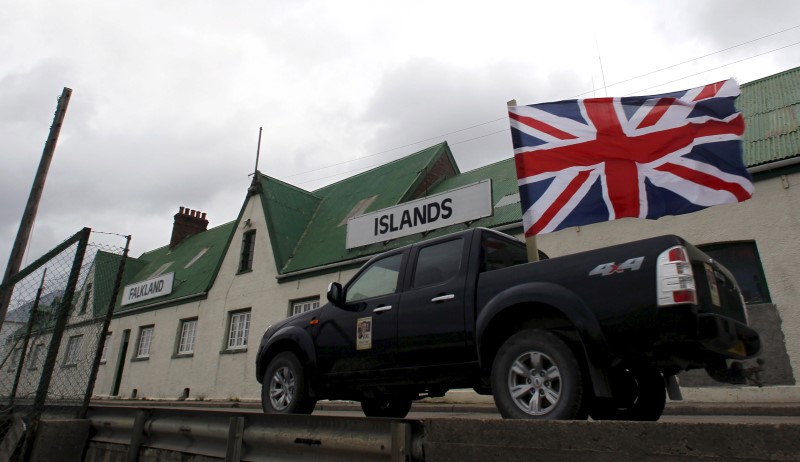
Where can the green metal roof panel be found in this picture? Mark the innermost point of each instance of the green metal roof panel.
(288, 211)
(771, 110)
(106, 267)
(324, 240)
(194, 272)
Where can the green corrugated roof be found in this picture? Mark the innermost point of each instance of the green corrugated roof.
(106, 267)
(771, 110)
(308, 229)
(288, 211)
(190, 281)
(324, 239)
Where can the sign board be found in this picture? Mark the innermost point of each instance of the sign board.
(458, 205)
(145, 290)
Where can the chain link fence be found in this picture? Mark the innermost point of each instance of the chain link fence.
(53, 337)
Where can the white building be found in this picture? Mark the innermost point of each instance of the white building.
(190, 318)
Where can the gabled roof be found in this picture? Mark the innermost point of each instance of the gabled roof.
(771, 107)
(320, 229)
(307, 229)
(106, 267)
(771, 110)
(195, 262)
(288, 211)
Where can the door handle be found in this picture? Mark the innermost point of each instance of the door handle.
(381, 309)
(442, 298)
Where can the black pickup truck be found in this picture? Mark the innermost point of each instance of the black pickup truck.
(600, 333)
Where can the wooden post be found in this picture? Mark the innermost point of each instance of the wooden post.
(25, 226)
(530, 242)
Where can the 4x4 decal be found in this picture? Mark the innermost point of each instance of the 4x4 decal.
(607, 269)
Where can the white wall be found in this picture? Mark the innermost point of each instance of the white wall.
(209, 373)
(771, 218)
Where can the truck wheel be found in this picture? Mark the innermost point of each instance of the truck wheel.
(284, 389)
(536, 376)
(387, 406)
(645, 402)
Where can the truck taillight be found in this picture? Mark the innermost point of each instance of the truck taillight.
(675, 279)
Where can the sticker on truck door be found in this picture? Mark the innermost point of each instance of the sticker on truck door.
(363, 333)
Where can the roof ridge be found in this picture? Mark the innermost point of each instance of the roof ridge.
(288, 185)
(215, 228)
(371, 170)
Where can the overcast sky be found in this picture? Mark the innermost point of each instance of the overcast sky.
(168, 95)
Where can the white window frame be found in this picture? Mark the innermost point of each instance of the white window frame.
(16, 355)
(238, 330)
(186, 336)
(37, 356)
(145, 341)
(104, 353)
(72, 352)
(301, 306)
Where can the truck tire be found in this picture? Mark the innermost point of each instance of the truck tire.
(645, 400)
(284, 389)
(535, 376)
(387, 406)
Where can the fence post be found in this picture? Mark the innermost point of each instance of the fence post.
(106, 322)
(55, 342)
(32, 318)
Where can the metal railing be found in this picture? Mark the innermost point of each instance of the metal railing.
(253, 437)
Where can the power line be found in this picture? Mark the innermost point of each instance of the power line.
(575, 96)
(394, 149)
(694, 59)
(718, 67)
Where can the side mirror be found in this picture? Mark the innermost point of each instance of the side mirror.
(336, 294)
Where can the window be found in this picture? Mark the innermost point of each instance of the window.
(379, 279)
(106, 343)
(161, 270)
(741, 259)
(37, 356)
(248, 246)
(438, 263)
(196, 257)
(73, 350)
(86, 294)
(500, 253)
(145, 339)
(238, 330)
(187, 335)
(303, 306)
(16, 356)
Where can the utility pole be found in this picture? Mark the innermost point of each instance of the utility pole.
(25, 226)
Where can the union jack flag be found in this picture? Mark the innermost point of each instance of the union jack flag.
(599, 159)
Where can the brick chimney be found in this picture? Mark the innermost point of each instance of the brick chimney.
(187, 223)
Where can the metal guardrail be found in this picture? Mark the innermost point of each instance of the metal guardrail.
(257, 437)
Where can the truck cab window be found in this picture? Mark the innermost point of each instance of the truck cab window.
(438, 263)
(502, 253)
(379, 279)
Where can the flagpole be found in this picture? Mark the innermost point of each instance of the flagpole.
(530, 241)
